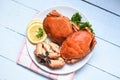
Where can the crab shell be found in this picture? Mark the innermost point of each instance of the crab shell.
(57, 27)
(77, 45)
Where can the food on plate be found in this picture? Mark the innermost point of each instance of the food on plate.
(58, 27)
(35, 32)
(70, 39)
(57, 63)
(43, 47)
(49, 55)
(77, 45)
(76, 18)
(55, 47)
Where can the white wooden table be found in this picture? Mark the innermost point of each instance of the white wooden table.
(104, 16)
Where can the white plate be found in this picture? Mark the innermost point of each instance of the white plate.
(66, 11)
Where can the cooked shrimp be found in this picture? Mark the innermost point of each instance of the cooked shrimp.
(43, 51)
(72, 61)
(54, 55)
(51, 55)
(38, 59)
(55, 47)
(53, 44)
(47, 47)
(56, 63)
(38, 49)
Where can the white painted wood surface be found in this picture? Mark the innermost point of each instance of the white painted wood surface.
(15, 16)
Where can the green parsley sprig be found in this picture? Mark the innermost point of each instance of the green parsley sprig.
(39, 33)
(86, 24)
(76, 18)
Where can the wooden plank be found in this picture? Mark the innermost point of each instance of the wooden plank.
(11, 43)
(106, 57)
(111, 6)
(11, 71)
(91, 73)
(101, 22)
(105, 24)
(15, 16)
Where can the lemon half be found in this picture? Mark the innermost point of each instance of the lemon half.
(32, 31)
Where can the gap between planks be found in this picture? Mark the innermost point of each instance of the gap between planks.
(87, 63)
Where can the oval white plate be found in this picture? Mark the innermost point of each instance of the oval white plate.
(66, 11)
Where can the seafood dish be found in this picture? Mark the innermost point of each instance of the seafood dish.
(77, 46)
(57, 27)
(70, 40)
(49, 54)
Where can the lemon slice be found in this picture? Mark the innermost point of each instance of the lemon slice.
(33, 30)
(34, 22)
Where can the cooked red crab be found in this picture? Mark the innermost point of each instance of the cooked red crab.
(57, 27)
(77, 45)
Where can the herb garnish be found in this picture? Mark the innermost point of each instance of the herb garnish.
(39, 33)
(76, 18)
(86, 24)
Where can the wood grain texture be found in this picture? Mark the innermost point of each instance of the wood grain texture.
(12, 71)
(104, 23)
(15, 16)
(111, 6)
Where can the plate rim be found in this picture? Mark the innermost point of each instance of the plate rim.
(89, 55)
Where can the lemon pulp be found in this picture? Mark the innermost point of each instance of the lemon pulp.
(32, 31)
